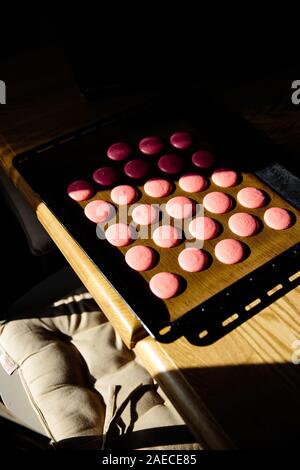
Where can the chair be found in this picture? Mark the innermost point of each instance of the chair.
(70, 377)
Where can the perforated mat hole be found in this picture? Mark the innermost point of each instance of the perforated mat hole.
(275, 289)
(87, 131)
(45, 148)
(294, 276)
(64, 141)
(230, 319)
(252, 304)
(203, 334)
(165, 330)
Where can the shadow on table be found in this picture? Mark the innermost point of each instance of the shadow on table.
(255, 405)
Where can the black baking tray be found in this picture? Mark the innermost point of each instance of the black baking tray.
(47, 177)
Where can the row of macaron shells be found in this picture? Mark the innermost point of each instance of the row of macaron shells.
(181, 207)
(137, 168)
(169, 163)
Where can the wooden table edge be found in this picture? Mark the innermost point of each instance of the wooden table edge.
(189, 405)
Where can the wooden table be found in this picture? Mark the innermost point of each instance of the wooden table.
(241, 391)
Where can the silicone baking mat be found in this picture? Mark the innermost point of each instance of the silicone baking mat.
(220, 287)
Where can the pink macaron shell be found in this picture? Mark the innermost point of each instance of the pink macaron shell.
(145, 214)
(151, 145)
(278, 218)
(203, 159)
(166, 236)
(230, 251)
(171, 163)
(119, 234)
(217, 202)
(137, 168)
(99, 211)
(181, 140)
(192, 260)
(243, 224)
(140, 258)
(157, 187)
(119, 151)
(106, 176)
(124, 194)
(80, 190)
(204, 228)
(180, 207)
(192, 183)
(251, 198)
(165, 285)
(225, 177)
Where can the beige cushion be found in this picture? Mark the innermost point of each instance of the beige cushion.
(81, 379)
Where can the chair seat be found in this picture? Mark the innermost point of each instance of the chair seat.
(83, 382)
